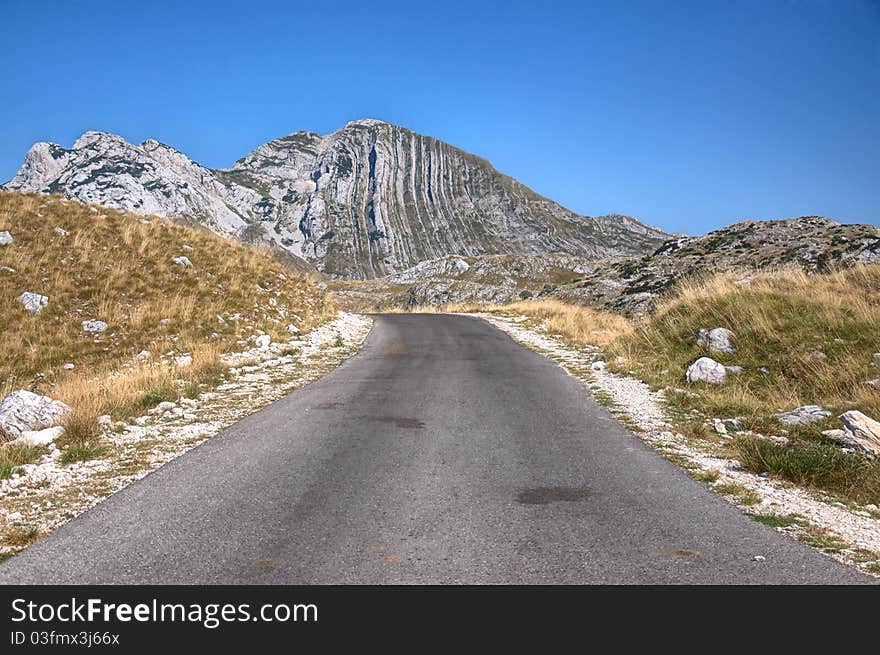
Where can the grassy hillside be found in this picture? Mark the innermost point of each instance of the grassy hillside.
(815, 336)
(98, 264)
(801, 339)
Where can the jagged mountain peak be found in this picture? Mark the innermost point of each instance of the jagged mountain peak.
(369, 122)
(364, 201)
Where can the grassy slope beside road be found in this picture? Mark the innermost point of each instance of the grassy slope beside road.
(814, 336)
(94, 263)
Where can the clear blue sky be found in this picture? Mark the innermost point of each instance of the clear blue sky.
(689, 115)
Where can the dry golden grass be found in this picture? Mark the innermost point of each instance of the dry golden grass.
(117, 268)
(815, 333)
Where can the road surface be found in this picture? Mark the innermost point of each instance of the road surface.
(442, 453)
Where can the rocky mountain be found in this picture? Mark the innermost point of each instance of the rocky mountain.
(812, 243)
(628, 285)
(368, 200)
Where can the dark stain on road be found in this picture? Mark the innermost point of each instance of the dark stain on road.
(399, 421)
(546, 495)
(680, 552)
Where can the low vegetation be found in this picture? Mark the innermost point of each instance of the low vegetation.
(800, 339)
(815, 465)
(13, 456)
(168, 322)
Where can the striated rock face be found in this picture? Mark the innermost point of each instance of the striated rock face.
(368, 200)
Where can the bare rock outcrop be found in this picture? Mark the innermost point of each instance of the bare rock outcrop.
(25, 411)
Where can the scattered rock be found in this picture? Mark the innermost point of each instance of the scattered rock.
(733, 424)
(719, 339)
(836, 435)
(598, 366)
(815, 356)
(105, 421)
(862, 431)
(187, 248)
(33, 302)
(183, 361)
(69, 366)
(706, 369)
(764, 370)
(144, 354)
(292, 329)
(182, 260)
(60, 231)
(5, 238)
(803, 415)
(719, 426)
(758, 558)
(7, 269)
(40, 437)
(23, 411)
(736, 370)
(262, 341)
(165, 406)
(94, 326)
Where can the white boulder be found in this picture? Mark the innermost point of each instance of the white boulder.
(23, 411)
(5, 238)
(719, 339)
(40, 437)
(94, 326)
(706, 369)
(862, 431)
(33, 302)
(182, 260)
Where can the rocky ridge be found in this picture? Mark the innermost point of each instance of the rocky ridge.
(628, 285)
(367, 200)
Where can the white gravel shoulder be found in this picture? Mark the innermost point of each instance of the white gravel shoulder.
(46, 493)
(858, 527)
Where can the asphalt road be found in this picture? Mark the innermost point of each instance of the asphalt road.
(442, 453)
